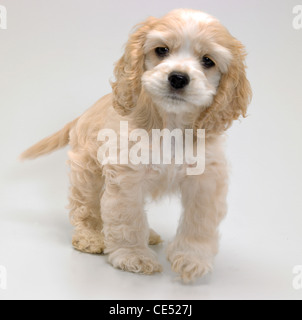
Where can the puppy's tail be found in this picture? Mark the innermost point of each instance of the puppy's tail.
(50, 144)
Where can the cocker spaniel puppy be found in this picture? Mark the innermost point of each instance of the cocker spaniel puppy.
(183, 71)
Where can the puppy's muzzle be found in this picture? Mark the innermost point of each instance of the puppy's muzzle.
(178, 80)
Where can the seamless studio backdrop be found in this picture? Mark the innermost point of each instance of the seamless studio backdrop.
(56, 60)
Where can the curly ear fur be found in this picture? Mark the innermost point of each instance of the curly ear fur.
(130, 68)
(233, 96)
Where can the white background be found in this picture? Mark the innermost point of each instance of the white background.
(56, 59)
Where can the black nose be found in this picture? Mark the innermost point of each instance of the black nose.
(178, 80)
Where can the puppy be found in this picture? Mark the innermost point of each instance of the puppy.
(183, 71)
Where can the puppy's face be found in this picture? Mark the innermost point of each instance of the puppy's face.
(183, 63)
(186, 62)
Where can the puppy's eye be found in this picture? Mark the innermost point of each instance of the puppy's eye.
(207, 62)
(162, 52)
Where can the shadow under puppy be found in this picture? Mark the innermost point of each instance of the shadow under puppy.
(183, 71)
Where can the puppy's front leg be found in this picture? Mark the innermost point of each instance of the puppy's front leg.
(196, 243)
(125, 228)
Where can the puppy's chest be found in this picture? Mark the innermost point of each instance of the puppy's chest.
(164, 178)
(167, 165)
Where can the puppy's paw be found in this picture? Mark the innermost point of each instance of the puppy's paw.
(154, 238)
(135, 260)
(89, 243)
(190, 265)
(191, 268)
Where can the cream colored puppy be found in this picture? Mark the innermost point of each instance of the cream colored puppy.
(184, 71)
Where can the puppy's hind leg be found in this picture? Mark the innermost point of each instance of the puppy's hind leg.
(154, 238)
(85, 213)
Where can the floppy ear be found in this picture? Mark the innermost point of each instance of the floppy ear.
(233, 96)
(130, 68)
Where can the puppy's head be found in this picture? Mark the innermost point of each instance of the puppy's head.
(186, 62)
